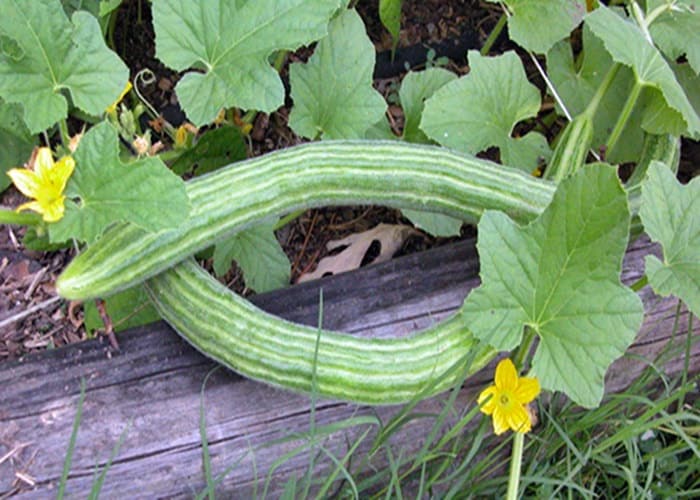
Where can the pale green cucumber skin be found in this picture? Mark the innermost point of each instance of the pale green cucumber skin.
(260, 346)
(391, 173)
(572, 149)
(665, 148)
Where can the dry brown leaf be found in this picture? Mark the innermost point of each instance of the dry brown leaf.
(389, 236)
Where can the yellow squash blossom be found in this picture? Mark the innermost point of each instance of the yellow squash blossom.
(506, 401)
(44, 183)
(112, 108)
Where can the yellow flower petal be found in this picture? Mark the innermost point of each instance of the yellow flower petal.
(54, 210)
(500, 421)
(506, 400)
(506, 375)
(112, 108)
(527, 390)
(30, 205)
(61, 172)
(45, 184)
(490, 396)
(519, 419)
(43, 163)
(26, 181)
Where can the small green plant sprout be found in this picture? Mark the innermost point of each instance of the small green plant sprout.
(508, 398)
(44, 182)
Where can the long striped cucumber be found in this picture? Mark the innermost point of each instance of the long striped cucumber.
(389, 173)
(572, 148)
(260, 346)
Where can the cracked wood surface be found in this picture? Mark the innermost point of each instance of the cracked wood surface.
(150, 390)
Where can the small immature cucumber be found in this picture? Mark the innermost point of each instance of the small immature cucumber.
(665, 148)
(388, 173)
(572, 148)
(258, 345)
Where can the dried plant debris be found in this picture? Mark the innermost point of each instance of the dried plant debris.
(390, 238)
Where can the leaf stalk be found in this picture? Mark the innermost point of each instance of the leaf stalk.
(516, 460)
(624, 117)
(19, 218)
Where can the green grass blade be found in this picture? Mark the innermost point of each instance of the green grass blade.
(71, 444)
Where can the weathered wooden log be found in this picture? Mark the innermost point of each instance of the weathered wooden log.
(151, 388)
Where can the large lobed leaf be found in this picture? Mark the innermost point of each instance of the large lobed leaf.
(227, 43)
(416, 87)
(560, 276)
(539, 24)
(332, 93)
(667, 109)
(671, 215)
(677, 31)
(480, 110)
(103, 190)
(43, 54)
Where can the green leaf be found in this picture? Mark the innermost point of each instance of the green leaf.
(480, 110)
(107, 6)
(214, 149)
(416, 87)
(677, 31)
(670, 213)
(16, 143)
(258, 253)
(690, 83)
(332, 93)
(538, 24)
(103, 190)
(127, 309)
(669, 110)
(58, 56)
(559, 276)
(435, 224)
(390, 16)
(227, 45)
(381, 131)
(576, 85)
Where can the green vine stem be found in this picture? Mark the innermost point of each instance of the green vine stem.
(493, 36)
(640, 283)
(65, 135)
(288, 218)
(602, 90)
(516, 459)
(624, 117)
(19, 218)
(524, 349)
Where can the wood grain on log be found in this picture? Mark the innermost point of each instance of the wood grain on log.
(151, 388)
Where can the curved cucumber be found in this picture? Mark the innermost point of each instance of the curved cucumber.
(261, 346)
(388, 173)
